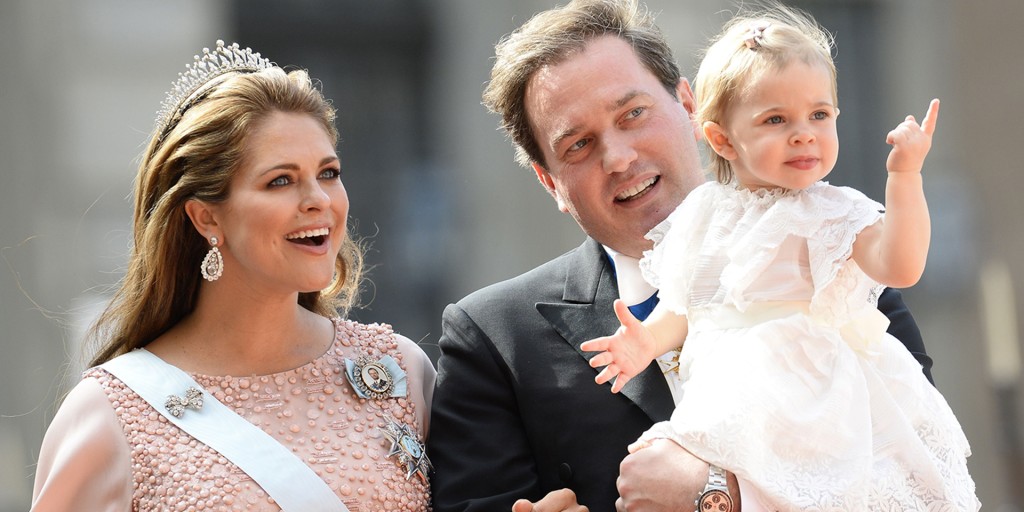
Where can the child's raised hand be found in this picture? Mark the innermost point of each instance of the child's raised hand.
(623, 354)
(911, 142)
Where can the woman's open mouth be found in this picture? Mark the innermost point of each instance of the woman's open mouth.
(312, 237)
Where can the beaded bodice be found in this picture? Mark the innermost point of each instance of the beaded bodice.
(312, 410)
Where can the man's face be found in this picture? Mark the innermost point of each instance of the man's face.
(621, 151)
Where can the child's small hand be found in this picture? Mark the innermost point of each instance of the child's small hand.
(911, 142)
(623, 354)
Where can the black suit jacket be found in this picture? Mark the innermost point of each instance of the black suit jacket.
(516, 412)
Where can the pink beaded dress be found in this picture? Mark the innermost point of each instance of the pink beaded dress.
(108, 449)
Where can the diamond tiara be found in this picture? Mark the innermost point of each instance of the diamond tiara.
(191, 84)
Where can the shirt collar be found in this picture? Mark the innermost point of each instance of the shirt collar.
(633, 289)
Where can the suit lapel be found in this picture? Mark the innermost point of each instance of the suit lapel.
(585, 312)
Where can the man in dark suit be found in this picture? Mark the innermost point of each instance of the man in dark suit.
(595, 104)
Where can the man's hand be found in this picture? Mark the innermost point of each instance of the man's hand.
(562, 500)
(662, 476)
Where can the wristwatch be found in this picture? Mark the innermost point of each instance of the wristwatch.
(715, 497)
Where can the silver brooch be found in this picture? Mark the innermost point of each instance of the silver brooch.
(176, 405)
(406, 449)
(378, 379)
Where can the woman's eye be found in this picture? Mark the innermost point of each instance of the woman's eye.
(774, 120)
(330, 174)
(820, 115)
(279, 181)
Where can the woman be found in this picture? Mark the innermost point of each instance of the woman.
(226, 380)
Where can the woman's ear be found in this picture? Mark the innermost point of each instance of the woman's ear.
(719, 141)
(203, 219)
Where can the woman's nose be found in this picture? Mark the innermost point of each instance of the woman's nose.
(314, 196)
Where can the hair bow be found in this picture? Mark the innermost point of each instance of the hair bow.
(756, 36)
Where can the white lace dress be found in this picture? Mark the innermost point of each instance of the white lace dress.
(790, 380)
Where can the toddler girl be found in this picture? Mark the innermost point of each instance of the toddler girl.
(772, 276)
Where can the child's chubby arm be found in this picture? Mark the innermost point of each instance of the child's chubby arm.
(635, 344)
(894, 250)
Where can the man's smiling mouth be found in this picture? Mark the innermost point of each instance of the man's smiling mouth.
(637, 191)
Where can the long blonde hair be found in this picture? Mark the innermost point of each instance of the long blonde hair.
(750, 44)
(196, 159)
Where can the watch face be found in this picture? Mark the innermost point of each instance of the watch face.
(714, 501)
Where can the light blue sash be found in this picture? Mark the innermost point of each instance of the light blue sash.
(285, 477)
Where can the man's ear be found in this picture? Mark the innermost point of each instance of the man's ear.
(719, 141)
(544, 177)
(685, 97)
(203, 219)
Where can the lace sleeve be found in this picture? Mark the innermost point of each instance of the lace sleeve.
(845, 213)
(669, 265)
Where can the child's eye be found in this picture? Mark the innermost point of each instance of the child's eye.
(820, 115)
(774, 120)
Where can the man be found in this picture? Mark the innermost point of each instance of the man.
(594, 103)
(376, 383)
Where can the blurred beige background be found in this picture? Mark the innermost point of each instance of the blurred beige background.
(434, 187)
